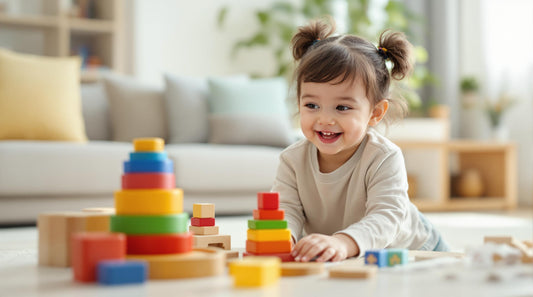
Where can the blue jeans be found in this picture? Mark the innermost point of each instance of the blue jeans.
(435, 241)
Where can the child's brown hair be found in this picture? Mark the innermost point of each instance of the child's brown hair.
(325, 58)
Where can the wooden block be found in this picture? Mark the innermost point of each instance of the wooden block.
(268, 247)
(397, 257)
(149, 202)
(106, 210)
(528, 243)
(218, 241)
(89, 248)
(350, 271)
(148, 144)
(148, 181)
(263, 214)
(55, 230)
(119, 272)
(267, 224)
(198, 263)
(298, 269)
(202, 222)
(137, 225)
(510, 241)
(268, 200)
(284, 257)
(159, 244)
(269, 235)
(203, 210)
(146, 166)
(428, 255)
(231, 254)
(158, 156)
(211, 230)
(255, 271)
(376, 257)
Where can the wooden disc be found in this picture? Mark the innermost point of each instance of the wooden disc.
(303, 268)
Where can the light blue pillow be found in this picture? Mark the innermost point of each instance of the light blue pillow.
(250, 112)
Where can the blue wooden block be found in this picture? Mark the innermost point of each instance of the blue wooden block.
(397, 257)
(138, 166)
(151, 156)
(119, 272)
(376, 257)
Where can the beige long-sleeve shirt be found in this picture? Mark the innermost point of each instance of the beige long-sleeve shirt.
(366, 198)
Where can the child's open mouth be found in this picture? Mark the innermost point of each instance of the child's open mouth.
(328, 137)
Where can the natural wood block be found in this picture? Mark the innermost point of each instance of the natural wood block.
(205, 241)
(269, 235)
(198, 263)
(428, 255)
(202, 222)
(527, 253)
(231, 254)
(267, 224)
(159, 244)
(264, 214)
(56, 228)
(137, 225)
(203, 210)
(106, 210)
(89, 248)
(268, 247)
(210, 230)
(350, 271)
(268, 200)
(298, 269)
(149, 202)
(284, 257)
(148, 144)
(255, 271)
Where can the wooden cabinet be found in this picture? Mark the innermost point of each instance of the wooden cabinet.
(52, 28)
(435, 169)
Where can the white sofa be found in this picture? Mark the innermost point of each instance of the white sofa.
(38, 176)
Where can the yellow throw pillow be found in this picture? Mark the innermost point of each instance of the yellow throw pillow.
(40, 98)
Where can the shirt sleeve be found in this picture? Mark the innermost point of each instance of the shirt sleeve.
(386, 205)
(285, 183)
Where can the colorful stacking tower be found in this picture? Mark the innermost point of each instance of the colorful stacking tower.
(267, 232)
(204, 229)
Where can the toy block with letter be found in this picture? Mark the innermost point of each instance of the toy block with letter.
(255, 271)
(267, 233)
(119, 272)
(376, 257)
(397, 257)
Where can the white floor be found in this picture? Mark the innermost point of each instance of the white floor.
(20, 276)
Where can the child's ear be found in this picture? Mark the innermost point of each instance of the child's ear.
(379, 112)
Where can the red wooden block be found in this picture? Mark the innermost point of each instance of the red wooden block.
(285, 257)
(268, 247)
(159, 244)
(202, 222)
(148, 181)
(89, 248)
(268, 200)
(264, 214)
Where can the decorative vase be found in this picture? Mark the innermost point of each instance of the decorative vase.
(499, 133)
(470, 184)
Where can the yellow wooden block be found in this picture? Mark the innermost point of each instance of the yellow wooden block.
(149, 202)
(269, 234)
(198, 263)
(203, 210)
(217, 241)
(255, 271)
(56, 228)
(208, 230)
(149, 144)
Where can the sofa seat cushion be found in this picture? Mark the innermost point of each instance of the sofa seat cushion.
(53, 168)
(212, 168)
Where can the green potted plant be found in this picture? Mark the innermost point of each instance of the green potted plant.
(469, 91)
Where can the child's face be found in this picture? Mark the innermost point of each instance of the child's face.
(335, 117)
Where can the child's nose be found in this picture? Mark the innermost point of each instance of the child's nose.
(326, 119)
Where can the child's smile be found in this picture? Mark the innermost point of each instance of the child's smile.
(328, 137)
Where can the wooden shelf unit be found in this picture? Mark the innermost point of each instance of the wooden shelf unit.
(433, 164)
(63, 34)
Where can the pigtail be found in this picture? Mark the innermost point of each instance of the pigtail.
(309, 35)
(396, 47)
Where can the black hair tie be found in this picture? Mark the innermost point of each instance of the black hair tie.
(383, 52)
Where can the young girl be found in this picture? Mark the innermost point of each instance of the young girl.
(344, 187)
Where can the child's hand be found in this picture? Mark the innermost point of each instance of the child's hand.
(335, 248)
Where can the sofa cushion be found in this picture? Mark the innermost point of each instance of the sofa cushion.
(210, 168)
(40, 98)
(95, 111)
(136, 110)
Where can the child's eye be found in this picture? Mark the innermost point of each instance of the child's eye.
(343, 108)
(311, 106)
